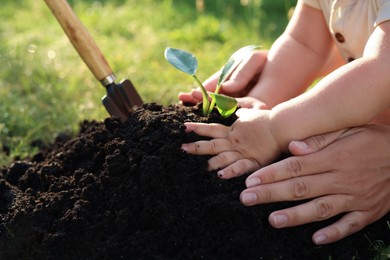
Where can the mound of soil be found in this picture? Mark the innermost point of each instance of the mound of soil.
(127, 191)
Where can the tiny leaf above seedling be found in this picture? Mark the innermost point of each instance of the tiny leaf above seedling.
(233, 62)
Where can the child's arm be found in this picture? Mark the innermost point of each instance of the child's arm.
(297, 58)
(302, 53)
(350, 96)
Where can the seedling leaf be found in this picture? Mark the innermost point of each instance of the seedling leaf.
(230, 66)
(182, 60)
(226, 105)
(233, 62)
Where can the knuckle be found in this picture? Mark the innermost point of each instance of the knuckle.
(213, 146)
(267, 195)
(353, 227)
(294, 167)
(239, 168)
(221, 159)
(231, 173)
(319, 141)
(213, 127)
(243, 166)
(299, 188)
(323, 209)
(252, 164)
(210, 128)
(346, 228)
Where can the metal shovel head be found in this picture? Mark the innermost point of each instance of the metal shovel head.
(120, 99)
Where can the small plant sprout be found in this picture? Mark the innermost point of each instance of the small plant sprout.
(187, 62)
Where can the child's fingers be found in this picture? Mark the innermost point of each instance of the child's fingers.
(214, 146)
(250, 102)
(210, 130)
(192, 97)
(187, 97)
(223, 159)
(238, 168)
(244, 73)
(244, 113)
(210, 83)
(197, 94)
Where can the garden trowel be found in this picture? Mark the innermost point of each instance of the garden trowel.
(120, 97)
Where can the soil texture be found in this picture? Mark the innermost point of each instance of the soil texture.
(127, 191)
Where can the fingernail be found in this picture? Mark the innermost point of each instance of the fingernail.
(299, 144)
(320, 239)
(184, 147)
(187, 128)
(250, 182)
(249, 198)
(220, 173)
(279, 220)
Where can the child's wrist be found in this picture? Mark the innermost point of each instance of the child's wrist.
(279, 129)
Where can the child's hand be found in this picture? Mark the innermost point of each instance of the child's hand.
(245, 146)
(243, 102)
(250, 102)
(243, 79)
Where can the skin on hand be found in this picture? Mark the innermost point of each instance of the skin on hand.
(250, 102)
(240, 148)
(243, 102)
(346, 171)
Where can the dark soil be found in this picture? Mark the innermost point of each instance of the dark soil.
(127, 191)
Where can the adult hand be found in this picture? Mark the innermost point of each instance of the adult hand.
(240, 82)
(346, 171)
(242, 147)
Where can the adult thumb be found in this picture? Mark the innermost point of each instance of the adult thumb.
(315, 143)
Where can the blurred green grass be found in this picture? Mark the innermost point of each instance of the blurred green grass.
(45, 88)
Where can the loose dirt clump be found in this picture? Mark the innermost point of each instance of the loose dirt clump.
(127, 191)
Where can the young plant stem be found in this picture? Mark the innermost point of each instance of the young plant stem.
(187, 63)
(206, 103)
(211, 107)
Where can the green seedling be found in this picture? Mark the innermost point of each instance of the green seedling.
(187, 62)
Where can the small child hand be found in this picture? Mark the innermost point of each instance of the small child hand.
(250, 102)
(245, 146)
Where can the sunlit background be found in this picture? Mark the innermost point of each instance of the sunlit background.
(45, 88)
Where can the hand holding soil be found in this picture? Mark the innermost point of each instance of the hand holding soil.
(243, 147)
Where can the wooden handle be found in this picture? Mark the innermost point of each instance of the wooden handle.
(80, 38)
